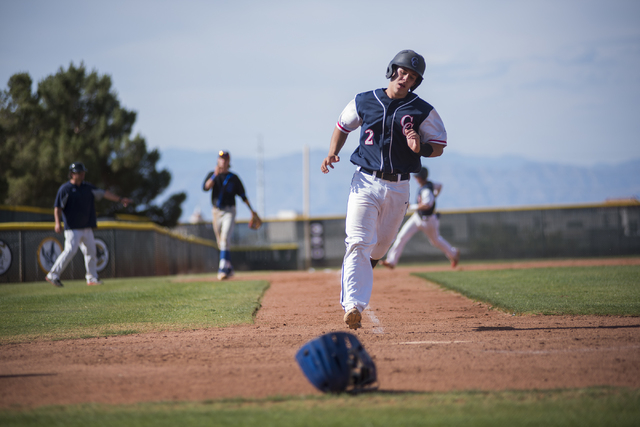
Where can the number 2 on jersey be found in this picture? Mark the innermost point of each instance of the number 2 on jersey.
(369, 140)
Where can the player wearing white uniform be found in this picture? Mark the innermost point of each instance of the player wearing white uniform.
(397, 129)
(424, 219)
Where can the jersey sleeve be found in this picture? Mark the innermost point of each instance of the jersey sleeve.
(98, 194)
(61, 198)
(426, 197)
(349, 119)
(432, 129)
(240, 188)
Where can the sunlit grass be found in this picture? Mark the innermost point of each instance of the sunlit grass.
(123, 306)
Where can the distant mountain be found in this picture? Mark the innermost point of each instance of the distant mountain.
(468, 182)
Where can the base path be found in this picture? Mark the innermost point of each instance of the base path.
(422, 338)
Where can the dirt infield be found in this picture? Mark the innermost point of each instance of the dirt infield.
(422, 338)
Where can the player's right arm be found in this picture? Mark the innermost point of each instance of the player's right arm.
(348, 121)
(57, 215)
(338, 139)
(208, 181)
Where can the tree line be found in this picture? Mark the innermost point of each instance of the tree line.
(75, 116)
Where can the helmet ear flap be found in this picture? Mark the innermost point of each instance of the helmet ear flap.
(417, 83)
(391, 71)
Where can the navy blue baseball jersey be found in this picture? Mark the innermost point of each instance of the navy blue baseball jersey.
(226, 186)
(384, 121)
(78, 205)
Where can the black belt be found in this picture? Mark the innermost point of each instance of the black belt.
(386, 176)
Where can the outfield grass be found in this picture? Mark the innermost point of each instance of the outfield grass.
(584, 407)
(30, 311)
(604, 290)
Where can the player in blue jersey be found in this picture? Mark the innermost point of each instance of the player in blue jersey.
(225, 187)
(397, 129)
(424, 219)
(75, 204)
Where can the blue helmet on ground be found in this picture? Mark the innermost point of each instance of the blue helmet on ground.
(337, 362)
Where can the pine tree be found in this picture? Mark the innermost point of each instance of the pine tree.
(75, 116)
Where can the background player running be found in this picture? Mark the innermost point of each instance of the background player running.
(226, 186)
(424, 219)
(397, 128)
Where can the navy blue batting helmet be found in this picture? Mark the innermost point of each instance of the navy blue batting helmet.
(424, 173)
(335, 362)
(410, 60)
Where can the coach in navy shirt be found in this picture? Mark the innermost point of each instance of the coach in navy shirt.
(75, 205)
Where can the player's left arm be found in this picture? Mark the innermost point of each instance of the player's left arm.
(241, 192)
(115, 198)
(432, 136)
(246, 201)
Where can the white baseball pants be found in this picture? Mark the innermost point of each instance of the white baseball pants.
(375, 211)
(430, 227)
(74, 239)
(224, 220)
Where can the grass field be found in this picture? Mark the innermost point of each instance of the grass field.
(608, 290)
(123, 306)
(584, 408)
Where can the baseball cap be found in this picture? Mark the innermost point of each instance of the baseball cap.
(77, 167)
(223, 154)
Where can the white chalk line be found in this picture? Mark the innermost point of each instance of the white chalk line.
(561, 351)
(433, 342)
(377, 326)
(530, 352)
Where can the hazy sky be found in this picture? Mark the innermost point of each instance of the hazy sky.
(554, 80)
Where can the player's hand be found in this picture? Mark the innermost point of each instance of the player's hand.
(413, 140)
(328, 163)
(58, 227)
(126, 201)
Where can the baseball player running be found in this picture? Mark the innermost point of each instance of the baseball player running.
(424, 219)
(75, 204)
(397, 129)
(226, 186)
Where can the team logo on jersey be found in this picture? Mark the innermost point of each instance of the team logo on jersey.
(48, 251)
(5, 257)
(102, 254)
(407, 123)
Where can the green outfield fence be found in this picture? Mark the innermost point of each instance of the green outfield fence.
(144, 249)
